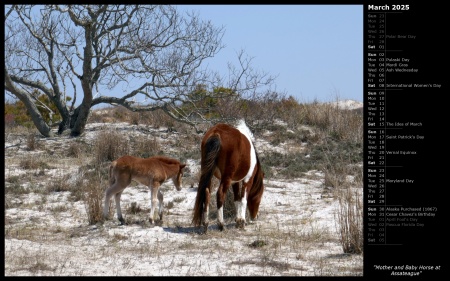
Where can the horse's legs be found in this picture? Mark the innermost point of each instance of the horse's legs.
(118, 209)
(221, 192)
(161, 206)
(153, 199)
(240, 202)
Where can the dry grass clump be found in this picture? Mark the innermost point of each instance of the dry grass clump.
(350, 220)
(32, 143)
(145, 146)
(76, 149)
(33, 163)
(110, 145)
(60, 183)
(134, 208)
(344, 174)
(340, 124)
(92, 184)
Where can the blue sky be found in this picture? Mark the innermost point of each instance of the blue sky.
(316, 51)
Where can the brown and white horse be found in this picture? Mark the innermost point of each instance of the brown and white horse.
(152, 172)
(229, 154)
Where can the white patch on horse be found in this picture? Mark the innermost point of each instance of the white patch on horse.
(206, 214)
(241, 207)
(242, 127)
(220, 215)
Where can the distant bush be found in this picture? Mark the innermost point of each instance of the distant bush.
(17, 114)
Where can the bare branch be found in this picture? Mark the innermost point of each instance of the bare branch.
(143, 57)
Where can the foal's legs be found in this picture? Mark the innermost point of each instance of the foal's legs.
(108, 195)
(116, 190)
(161, 206)
(154, 189)
(118, 209)
(120, 182)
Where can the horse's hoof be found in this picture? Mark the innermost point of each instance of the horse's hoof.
(205, 229)
(240, 224)
(220, 226)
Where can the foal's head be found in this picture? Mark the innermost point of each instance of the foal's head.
(177, 179)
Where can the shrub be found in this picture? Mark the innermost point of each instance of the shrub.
(110, 145)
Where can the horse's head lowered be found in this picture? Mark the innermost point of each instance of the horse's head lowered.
(228, 154)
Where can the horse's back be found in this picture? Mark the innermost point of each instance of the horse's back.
(231, 138)
(221, 129)
(128, 160)
(165, 160)
(136, 165)
(234, 158)
(145, 170)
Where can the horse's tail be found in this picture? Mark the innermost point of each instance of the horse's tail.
(208, 164)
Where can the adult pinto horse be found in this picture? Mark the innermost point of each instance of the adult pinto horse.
(229, 154)
(152, 172)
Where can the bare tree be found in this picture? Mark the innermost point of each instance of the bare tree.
(142, 57)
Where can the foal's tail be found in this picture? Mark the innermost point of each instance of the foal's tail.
(208, 164)
(112, 179)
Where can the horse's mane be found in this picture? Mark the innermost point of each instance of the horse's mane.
(167, 160)
(243, 128)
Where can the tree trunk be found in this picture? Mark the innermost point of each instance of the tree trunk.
(65, 123)
(37, 118)
(86, 83)
(79, 119)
